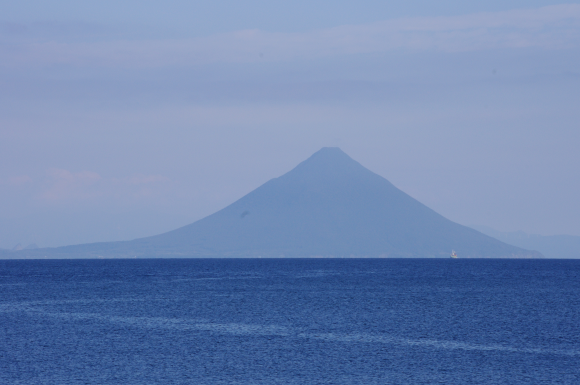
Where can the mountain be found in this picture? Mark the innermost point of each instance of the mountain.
(552, 246)
(328, 206)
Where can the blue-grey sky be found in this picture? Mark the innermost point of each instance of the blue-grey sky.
(129, 118)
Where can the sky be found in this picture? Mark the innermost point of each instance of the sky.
(124, 119)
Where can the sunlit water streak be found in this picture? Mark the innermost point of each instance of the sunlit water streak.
(261, 330)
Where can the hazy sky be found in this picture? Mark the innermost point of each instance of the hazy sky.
(122, 119)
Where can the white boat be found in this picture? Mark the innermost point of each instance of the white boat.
(453, 254)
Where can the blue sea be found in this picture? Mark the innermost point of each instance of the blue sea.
(290, 321)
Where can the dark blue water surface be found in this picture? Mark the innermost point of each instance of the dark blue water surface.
(309, 321)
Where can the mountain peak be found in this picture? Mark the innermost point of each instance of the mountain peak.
(329, 151)
(329, 154)
(326, 164)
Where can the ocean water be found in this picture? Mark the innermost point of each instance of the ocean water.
(309, 321)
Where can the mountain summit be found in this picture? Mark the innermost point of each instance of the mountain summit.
(330, 206)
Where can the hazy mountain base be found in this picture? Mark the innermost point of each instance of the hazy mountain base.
(327, 206)
(552, 246)
(97, 252)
